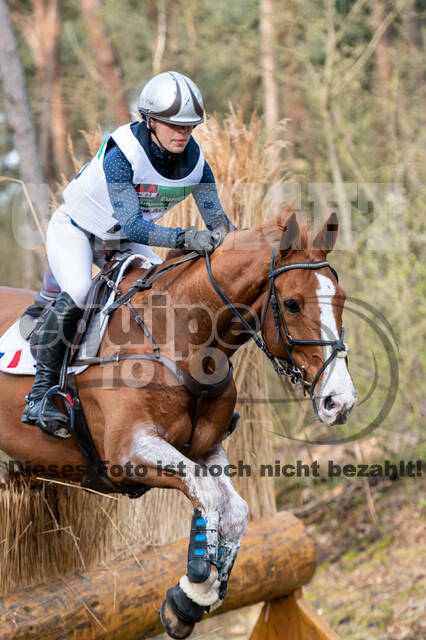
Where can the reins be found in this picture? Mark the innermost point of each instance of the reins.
(146, 283)
(201, 391)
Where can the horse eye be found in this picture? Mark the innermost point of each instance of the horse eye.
(292, 306)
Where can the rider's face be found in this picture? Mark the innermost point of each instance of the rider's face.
(173, 137)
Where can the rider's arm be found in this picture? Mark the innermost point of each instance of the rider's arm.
(208, 202)
(125, 202)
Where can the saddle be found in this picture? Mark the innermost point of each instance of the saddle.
(96, 299)
(95, 476)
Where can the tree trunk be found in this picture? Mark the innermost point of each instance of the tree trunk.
(411, 111)
(276, 557)
(160, 40)
(50, 28)
(414, 38)
(383, 65)
(292, 93)
(384, 113)
(106, 60)
(267, 55)
(59, 128)
(270, 95)
(42, 31)
(19, 117)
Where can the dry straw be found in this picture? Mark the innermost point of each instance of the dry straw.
(48, 529)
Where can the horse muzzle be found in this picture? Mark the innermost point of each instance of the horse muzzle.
(335, 408)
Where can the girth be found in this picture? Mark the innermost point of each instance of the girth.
(199, 390)
(95, 476)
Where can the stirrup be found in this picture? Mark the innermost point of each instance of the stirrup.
(63, 432)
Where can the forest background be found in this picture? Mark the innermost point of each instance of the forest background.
(326, 98)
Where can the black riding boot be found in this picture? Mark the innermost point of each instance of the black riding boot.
(58, 330)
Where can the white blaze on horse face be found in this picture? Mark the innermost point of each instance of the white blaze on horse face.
(337, 395)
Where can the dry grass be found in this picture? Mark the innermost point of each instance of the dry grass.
(48, 529)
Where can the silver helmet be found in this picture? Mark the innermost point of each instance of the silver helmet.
(172, 97)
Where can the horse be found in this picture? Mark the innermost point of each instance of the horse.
(272, 284)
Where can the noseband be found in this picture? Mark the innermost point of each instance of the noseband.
(285, 367)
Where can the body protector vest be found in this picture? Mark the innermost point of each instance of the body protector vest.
(87, 199)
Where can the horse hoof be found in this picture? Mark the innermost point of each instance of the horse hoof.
(173, 626)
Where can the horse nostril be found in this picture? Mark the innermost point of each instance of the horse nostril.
(328, 403)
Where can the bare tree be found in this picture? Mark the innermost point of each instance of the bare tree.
(292, 89)
(383, 61)
(106, 59)
(270, 93)
(160, 40)
(59, 126)
(42, 29)
(19, 116)
(269, 74)
(413, 35)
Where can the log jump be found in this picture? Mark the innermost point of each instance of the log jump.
(122, 601)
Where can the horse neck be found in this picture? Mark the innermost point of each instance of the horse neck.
(242, 275)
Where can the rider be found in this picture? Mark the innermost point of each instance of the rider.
(141, 170)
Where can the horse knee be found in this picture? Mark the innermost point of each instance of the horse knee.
(205, 491)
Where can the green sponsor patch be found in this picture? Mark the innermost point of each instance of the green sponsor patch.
(159, 196)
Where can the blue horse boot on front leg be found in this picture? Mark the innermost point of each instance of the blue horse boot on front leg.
(202, 550)
(186, 603)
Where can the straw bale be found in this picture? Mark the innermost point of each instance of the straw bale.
(48, 529)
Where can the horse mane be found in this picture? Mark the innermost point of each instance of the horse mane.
(270, 231)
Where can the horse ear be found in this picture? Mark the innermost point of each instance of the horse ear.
(290, 238)
(326, 238)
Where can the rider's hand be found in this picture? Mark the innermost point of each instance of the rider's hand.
(199, 241)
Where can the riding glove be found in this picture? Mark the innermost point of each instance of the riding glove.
(199, 241)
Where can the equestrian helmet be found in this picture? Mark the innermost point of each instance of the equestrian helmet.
(172, 97)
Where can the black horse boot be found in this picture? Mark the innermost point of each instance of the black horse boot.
(58, 330)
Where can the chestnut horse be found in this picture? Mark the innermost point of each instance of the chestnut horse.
(274, 279)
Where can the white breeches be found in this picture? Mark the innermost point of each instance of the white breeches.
(71, 254)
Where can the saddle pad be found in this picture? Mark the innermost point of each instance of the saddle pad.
(15, 353)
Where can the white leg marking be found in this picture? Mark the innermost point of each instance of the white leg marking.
(233, 510)
(233, 516)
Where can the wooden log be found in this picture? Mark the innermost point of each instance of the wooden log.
(121, 601)
(291, 618)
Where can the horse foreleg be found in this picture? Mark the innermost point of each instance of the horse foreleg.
(198, 590)
(233, 515)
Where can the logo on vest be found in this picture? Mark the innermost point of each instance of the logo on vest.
(147, 190)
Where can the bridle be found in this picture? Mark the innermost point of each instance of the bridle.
(285, 367)
(95, 476)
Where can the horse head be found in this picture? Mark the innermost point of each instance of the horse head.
(302, 318)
